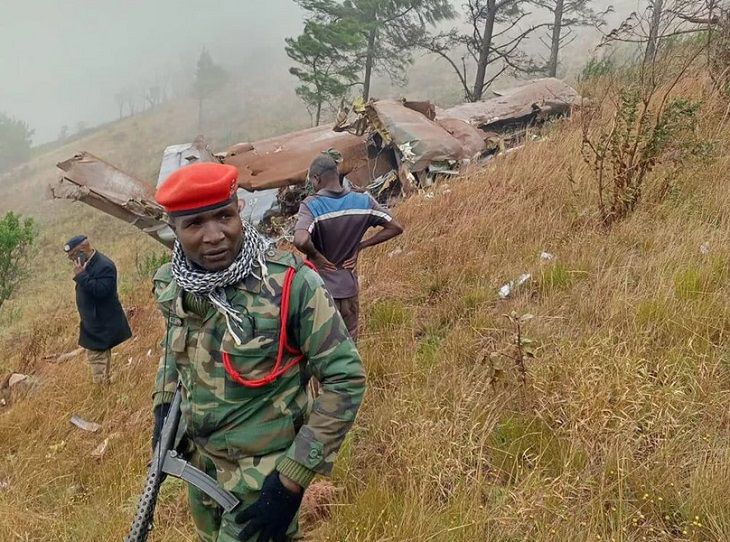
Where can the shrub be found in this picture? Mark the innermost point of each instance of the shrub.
(17, 235)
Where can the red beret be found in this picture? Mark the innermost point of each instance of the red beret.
(198, 187)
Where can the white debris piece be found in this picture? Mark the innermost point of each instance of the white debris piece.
(546, 256)
(100, 450)
(506, 290)
(705, 248)
(17, 378)
(395, 252)
(84, 424)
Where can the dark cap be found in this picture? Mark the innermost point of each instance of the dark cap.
(72, 243)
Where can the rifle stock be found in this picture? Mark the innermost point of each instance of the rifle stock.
(166, 461)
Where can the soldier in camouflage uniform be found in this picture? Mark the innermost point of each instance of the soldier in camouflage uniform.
(221, 299)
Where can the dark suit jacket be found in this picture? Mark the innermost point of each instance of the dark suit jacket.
(103, 322)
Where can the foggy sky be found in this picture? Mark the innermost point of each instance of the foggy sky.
(62, 62)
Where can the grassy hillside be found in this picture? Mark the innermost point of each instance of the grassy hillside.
(620, 432)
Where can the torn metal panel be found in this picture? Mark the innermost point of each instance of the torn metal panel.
(177, 156)
(472, 139)
(99, 184)
(283, 160)
(523, 105)
(419, 140)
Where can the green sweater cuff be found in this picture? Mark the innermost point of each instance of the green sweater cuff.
(296, 472)
(162, 397)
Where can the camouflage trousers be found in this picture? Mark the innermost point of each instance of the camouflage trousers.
(212, 524)
(99, 361)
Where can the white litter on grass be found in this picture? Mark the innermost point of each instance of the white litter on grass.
(705, 248)
(506, 290)
(100, 450)
(546, 257)
(79, 422)
(395, 252)
(149, 352)
(17, 378)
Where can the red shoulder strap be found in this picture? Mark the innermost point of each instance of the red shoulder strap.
(284, 345)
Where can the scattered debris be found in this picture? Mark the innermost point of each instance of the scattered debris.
(394, 148)
(16, 378)
(705, 248)
(100, 450)
(15, 386)
(84, 424)
(53, 358)
(506, 290)
(5, 484)
(547, 257)
(395, 252)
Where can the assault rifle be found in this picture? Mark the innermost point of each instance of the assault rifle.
(165, 460)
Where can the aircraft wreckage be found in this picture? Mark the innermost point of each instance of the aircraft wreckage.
(392, 148)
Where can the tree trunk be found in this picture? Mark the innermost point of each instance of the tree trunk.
(483, 62)
(200, 115)
(319, 112)
(555, 45)
(369, 61)
(653, 43)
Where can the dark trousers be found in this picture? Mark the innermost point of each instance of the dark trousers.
(349, 309)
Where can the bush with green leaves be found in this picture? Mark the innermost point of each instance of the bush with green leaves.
(17, 235)
(647, 127)
(150, 262)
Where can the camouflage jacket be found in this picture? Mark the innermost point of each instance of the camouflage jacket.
(247, 432)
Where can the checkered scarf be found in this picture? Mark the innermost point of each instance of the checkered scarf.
(211, 284)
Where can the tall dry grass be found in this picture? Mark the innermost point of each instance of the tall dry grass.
(621, 432)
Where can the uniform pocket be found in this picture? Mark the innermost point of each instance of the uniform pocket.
(259, 439)
(252, 360)
(177, 338)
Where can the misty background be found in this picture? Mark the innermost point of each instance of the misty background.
(63, 63)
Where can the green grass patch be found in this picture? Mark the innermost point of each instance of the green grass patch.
(388, 315)
(555, 277)
(522, 443)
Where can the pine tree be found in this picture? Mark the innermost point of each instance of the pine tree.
(327, 66)
(386, 28)
(209, 77)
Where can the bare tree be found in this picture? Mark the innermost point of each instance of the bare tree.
(657, 9)
(121, 100)
(153, 96)
(663, 19)
(568, 14)
(497, 33)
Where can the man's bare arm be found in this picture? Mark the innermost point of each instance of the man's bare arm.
(303, 242)
(388, 231)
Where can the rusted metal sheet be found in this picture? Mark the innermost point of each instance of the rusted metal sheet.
(518, 106)
(420, 140)
(283, 160)
(471, 139)
(389, 141)
(99, 184)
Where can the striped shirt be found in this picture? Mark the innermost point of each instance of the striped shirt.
(337, 222)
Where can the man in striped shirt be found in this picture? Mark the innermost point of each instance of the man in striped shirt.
(330, 229)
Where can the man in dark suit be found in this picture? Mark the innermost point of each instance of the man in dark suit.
(103, 322)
